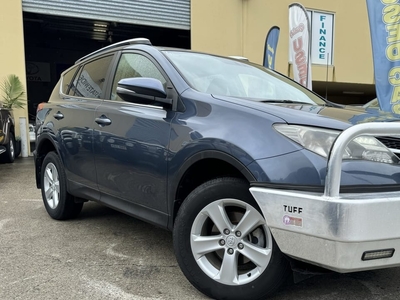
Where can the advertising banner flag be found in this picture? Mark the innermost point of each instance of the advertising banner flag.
(384, 23)
(300, 43)
(271, 42)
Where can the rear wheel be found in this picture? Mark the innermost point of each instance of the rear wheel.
(60, 205)
(223, 244)
(9, 155)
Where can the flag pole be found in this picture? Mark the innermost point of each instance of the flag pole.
(326, 82)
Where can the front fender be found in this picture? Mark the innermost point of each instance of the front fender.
(305, 170)
(204, 149)
(208, 148)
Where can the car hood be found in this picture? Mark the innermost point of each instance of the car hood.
(317, 115)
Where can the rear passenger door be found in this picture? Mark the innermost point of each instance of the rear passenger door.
(132, 163)
(82, 92)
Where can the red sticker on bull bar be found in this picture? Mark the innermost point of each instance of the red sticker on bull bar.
(292, 221)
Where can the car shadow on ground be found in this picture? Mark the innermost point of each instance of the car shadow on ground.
(376, 284)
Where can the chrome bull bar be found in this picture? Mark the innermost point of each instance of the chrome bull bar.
(336, 230)
(333, 174)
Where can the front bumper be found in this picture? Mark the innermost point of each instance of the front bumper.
(334, 230)
(333, 233)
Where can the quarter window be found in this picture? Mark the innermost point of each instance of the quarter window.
(66, 80)
(91, 81)
(134, 65)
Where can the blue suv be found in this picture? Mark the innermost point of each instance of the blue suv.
(252, 172)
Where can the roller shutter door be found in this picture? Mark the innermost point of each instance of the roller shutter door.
(159, 13)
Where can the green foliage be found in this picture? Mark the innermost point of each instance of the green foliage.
(13, 92)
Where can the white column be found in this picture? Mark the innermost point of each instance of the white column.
(24, 136)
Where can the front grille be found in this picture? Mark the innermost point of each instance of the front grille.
(392, 143)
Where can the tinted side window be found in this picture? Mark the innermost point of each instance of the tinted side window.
(134, 65)
(91, 81)
(66, 80)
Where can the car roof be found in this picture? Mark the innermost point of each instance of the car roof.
(131, 43)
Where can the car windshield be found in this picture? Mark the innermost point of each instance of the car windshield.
(230, 77)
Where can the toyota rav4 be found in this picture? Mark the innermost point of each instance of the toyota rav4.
(251, 171)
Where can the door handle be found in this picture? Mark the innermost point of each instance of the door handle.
(58, 115)
(103, 120)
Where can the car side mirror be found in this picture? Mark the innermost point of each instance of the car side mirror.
(142, 90)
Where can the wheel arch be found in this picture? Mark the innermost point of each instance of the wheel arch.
(199, 168)
(44, 146)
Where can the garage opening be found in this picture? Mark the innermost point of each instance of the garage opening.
(54, 43)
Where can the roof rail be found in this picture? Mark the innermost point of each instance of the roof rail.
(142, 41)
(239, 57)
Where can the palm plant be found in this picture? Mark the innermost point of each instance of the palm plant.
(13, 92)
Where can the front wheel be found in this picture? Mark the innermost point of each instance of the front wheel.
(60, 205)
(223, 244)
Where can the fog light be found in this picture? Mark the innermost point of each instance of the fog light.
(377, 254)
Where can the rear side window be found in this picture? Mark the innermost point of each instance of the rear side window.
(90, 82)
(66, 80)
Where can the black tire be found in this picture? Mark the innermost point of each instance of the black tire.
(60, 205)
(9, 155)
(193, 221)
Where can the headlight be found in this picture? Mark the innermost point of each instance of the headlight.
(320, 141)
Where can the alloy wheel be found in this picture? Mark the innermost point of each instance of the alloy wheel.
(231, 242)
(51, 185)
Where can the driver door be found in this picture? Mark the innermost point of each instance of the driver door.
(131, 162)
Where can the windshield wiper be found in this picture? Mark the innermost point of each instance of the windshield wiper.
(286, 101)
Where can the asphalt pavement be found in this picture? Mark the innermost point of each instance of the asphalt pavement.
(104, 254)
